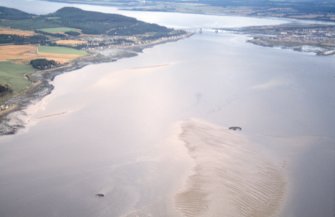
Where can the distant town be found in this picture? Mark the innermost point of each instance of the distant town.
(314, 38)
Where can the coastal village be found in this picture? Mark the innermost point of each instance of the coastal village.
(314, 38)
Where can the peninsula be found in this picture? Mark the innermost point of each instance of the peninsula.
(36, 48)
(314, 38)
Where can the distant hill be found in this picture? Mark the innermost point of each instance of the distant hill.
(323, 10)
(302, 6)
(87, 21)
(101, 23)
(13, 14)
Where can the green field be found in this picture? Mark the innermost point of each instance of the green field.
(13, 75)
(59, 30)
(60, 50)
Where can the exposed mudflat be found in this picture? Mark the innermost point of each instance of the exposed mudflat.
(230, 178)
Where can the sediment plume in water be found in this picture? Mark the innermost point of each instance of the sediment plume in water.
(230, 178)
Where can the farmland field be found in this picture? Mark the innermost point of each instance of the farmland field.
(25, 53)
(70, 42)
(18, 53)
(13, 74)
(59, 30)
(60, 50)
(9, 31)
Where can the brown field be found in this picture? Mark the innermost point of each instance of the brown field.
(70, 42)
(15, 32)
(25, 53)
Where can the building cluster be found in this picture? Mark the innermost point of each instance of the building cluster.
(105, 41)
(318, 36)
(4, 107)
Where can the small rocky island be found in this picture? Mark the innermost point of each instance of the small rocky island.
(100, 195)
(235, 128)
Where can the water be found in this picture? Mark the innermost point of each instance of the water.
(175, 20)
(110, 128)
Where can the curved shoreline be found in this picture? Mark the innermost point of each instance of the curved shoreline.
(43, 86)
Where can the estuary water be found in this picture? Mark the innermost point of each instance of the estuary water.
(150, 132)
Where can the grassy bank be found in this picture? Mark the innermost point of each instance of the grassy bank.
(60, 50)
(59, 30)
(14, 75)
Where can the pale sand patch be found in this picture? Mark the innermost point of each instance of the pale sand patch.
(271, 84)
(9, 31)
(152, 66)
(53, 115)
(230, 178)
(118, 78)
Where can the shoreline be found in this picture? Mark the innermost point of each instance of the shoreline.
(300, 49)
(41, 80)
(225, 12)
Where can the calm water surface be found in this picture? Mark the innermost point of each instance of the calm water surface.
(110, 127)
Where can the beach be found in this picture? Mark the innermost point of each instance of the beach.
(229, 178)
